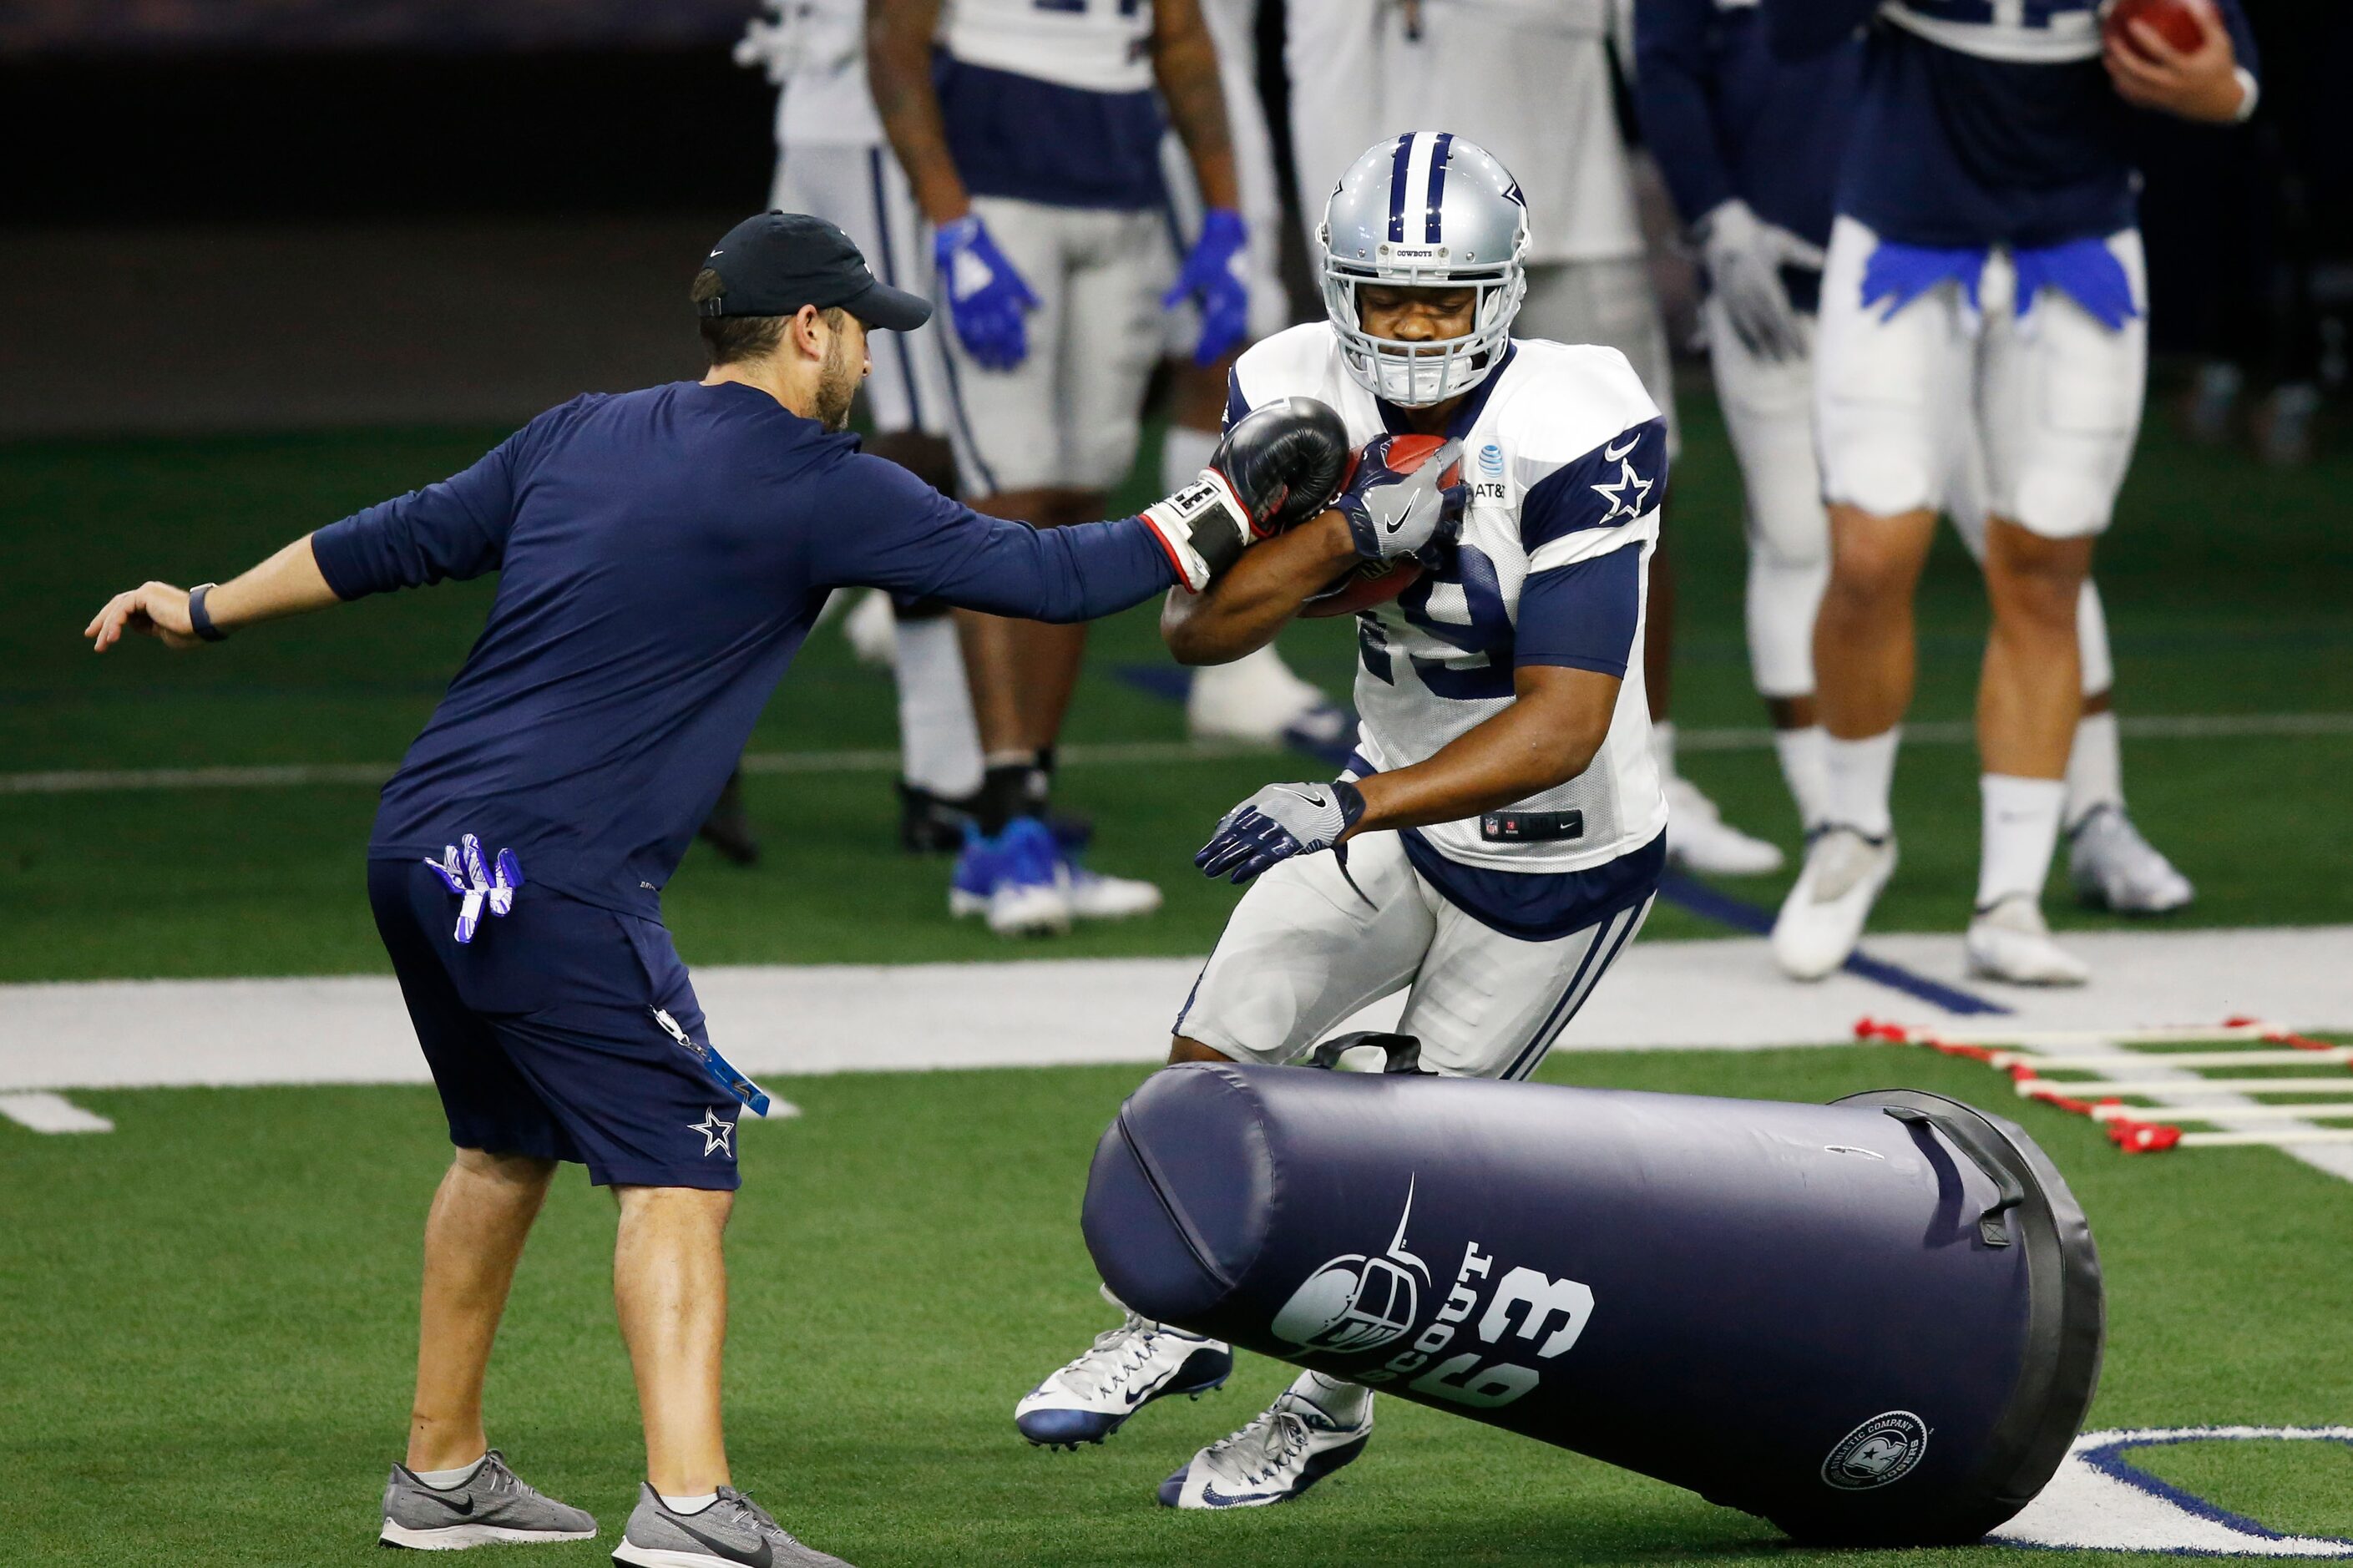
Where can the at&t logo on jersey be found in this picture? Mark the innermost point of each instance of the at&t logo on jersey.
(1490, 485)
(1356, 1304)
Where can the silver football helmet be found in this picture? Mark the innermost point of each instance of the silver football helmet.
(1427, 210)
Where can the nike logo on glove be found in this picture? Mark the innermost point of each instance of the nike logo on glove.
(1315, 800)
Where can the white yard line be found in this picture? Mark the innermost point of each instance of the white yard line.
(1115, 754)
(51, 1113)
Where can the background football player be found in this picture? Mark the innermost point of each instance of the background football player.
(1750, 147)
(1529, 79)
(1257, 697)
(1985, 258)
(832, 160)
(1499, 834)
(1034, 152)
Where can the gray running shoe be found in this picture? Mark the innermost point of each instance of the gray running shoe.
(733, 1532)
(493, 1504)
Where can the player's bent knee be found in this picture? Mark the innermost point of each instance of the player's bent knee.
(1181, 1049)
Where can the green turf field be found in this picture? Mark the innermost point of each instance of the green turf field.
(209, 1332)
(2226, 593)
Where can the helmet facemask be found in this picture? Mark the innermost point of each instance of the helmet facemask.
(1417, 375)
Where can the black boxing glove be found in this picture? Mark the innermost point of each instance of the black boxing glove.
(1277, 467)
(1284, 462)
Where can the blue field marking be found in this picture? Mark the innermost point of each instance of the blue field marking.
(1708, 902)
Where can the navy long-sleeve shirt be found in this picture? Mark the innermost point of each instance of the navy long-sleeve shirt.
(662, 556)
(1726, 118)
(1981, 125)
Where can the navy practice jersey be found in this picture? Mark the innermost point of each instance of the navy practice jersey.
(662, 554)
(1725, 118)
(1983, 121)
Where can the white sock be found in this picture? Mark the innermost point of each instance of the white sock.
(2021, 827)
(2096, 768)
(442, 1481)
(1183, 454)
(1859, 776)
(695, 1504)
(1805, 768)
(1662, 746)
(939, 743)
(1345, 1402)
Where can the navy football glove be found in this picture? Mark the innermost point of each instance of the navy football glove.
(1278, 822)
(986, 296)
(1213, 274)
(1418, 513)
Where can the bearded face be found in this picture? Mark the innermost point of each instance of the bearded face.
(838, 377)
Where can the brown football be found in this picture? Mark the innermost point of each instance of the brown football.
(2176, 21)
(1374, 583)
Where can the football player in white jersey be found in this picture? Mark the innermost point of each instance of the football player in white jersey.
(1986, 258)
(1530, 81)
(1497, 840)
(1031, 140)
(833, 161)
(1258, 698)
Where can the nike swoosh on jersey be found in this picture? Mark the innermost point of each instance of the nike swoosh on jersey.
(765, 1556)
(1612, 454)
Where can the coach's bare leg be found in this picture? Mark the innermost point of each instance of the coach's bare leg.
(2030, 693)
(669, 1283)
(474, 1234)
(1181, 1049)
(1865, 652)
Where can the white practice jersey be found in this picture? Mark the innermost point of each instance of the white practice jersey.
(815, 51)
(1100, 45)
(1567, 456)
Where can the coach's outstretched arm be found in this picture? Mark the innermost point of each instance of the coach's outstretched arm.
(457, 528)
(288, 583)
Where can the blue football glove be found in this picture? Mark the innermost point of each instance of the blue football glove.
(1278, 822)
(1392, 514)
(1213, 275)
(985, 295)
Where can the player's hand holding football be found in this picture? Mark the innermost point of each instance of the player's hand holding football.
(1394, 511)
(2155, 71)
(1744, 255)
(1278, 822)
(986, 297)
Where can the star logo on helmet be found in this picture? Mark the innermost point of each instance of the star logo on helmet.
(1615, 492)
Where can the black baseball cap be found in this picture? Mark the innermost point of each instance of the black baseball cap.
(774, 264)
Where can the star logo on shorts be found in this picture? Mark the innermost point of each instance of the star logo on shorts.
(717, 1136)
(1615, 493)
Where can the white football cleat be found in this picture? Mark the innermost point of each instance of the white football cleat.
(1821, 920)
(1700, 841)
(2010, 942)
(1095, 897)
(1260, 698)
(2113, 868)
(1126, 1369)
(1290, 1447)
(873, 630)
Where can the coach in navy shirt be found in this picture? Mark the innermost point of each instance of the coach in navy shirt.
(661, 555)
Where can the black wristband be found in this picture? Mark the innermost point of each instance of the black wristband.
(200, 620)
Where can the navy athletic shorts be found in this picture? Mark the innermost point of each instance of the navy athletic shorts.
(542, 1036)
